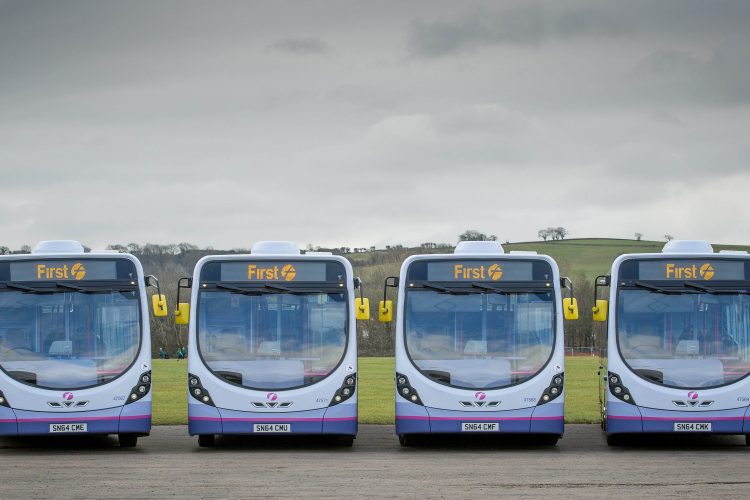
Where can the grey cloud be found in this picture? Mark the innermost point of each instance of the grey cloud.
(301, 46)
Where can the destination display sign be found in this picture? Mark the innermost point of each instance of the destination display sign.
(277, 271)
(64, 270)
(691, 270)
(480, 270)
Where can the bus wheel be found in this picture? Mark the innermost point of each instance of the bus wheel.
(547, 439)
(747, 439)
(127, 440)
(615, 439)
(406, 440)
(206, 440)
(345, 441)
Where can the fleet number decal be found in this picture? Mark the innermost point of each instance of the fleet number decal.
(479, 426)
(272, 427)
(68, 427)
(692, 427)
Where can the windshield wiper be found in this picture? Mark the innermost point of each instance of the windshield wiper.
(653, 288)
(236, 289)
(489, 288)
(24, 288)
(443, 289)
(70, 286)
(696, 286)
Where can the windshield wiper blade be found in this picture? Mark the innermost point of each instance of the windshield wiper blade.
(443, 289)
(24, 288)
(696, 286)
(278, 288)
(236, 289)
(653, 288)
(70, 286)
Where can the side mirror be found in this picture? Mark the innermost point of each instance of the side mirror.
(182, 314)
(385, 311)
(159, 303)
(570, 308)
(600, 310)
(362, 307)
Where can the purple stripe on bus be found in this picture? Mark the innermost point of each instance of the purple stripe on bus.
(78, 419)
(468, 417)
(235, 419)
(685, 418)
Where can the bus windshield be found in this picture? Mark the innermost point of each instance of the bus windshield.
(272, 340)
(479, 340)
(685, 340)
(68, 340)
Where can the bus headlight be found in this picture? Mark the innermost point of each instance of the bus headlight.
(554, 389)
(405, 390)
(619, 390)
(346, 390)
(4, 400)
(197, 391)
(139, 391)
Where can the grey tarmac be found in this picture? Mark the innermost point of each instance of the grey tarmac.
(169, 463)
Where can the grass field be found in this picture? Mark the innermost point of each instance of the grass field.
(376, 390)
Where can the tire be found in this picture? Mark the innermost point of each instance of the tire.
(615, 440)
(206, 440)
(127, 440)
(547, 439)
(747, 439)
(406, 440)
(345, 441)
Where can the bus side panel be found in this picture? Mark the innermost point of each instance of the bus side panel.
(623, 417)
(341, 419)
(549, 418)
(722, 421)
(97, 421)
(203, 419)
(136, 417)
(449, 421)
(746, 426)
(242, 422)
(411, 419)
(8, 423)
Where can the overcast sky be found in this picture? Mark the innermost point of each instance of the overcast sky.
(371, 123)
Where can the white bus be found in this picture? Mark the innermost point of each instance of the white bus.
(678, 342)
(479, 343)
(272, 344)
(75, 347)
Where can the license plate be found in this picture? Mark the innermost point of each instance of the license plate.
(272, 428)
(479, 426)
(692, 427)
(68, 427)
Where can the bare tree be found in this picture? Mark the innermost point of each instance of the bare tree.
(638, 236)
(543, 234)
(472, 235)
(668, 237)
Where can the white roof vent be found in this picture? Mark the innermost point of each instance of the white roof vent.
(523, 252)
(478, 247)
(58, 246)
(687, 246)
(733, 252)
(275, 248)
(318, 253)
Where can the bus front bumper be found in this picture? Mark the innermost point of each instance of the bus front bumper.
(416, 419)
(623, 418)
(339, 420)
(134, 418)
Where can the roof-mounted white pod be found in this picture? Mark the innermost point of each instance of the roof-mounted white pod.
(523, 252)
(687, 246)
(57, 247)
(733, 252)
(275, 248)
(479, 247)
